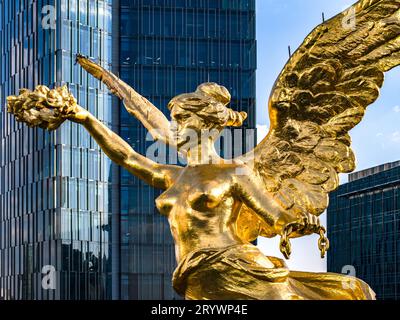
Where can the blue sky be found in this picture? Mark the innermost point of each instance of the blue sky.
(375, 141)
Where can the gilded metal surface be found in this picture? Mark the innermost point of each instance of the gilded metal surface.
(213, 211)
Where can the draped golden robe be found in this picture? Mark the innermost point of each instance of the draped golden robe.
(237, 272)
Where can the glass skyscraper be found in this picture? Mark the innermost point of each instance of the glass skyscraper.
(169, 47)
(54, 187)
(62, 202)
(364, 229)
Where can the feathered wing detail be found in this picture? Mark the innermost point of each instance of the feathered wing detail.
(321, 94)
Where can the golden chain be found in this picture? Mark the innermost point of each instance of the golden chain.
(323, 242)
(286, 247)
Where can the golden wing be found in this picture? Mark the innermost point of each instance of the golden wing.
(321, 94)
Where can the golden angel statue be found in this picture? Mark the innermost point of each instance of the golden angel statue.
(214, 212)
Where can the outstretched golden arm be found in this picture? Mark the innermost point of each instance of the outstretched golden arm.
(121, 152)
(47, 109)
(138, 106)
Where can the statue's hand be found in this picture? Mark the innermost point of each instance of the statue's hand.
(43, 107)
(306, 225)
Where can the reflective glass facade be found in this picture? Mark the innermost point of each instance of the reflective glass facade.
(364, 229)
(62, 202)
(54, 187)
(169, 47)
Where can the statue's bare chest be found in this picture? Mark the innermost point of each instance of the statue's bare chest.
(200, 188)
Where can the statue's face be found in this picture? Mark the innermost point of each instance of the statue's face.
(187, 124)
(189, 127)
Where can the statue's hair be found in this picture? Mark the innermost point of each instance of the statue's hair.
(209, 102)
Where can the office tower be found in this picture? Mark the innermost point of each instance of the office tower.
(62, 202)
(364, 229)
(167, 48)
(54, 186)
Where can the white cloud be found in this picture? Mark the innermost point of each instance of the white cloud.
(396, 109)
(396, 136)
(262, 131)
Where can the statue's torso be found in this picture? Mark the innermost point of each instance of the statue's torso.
(201, 208)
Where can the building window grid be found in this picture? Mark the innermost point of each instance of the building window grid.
(159, 80)
(144, 198)
(375, 253)
(34, 184)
